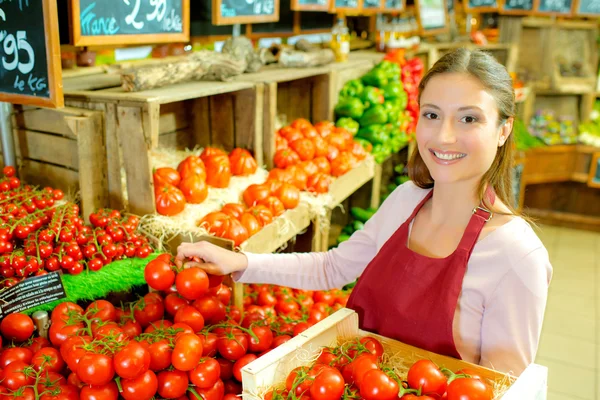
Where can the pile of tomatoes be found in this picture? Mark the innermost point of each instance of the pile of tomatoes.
(356, 370)
(189, 183)
(307, 156)
(37, 236)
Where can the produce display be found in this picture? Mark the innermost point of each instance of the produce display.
(553, 130)
(589, 132)
(523, 139)
(360, 369)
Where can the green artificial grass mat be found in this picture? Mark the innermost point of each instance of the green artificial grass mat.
(118, 276)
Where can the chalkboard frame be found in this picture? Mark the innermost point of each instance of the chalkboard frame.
(354, 11)
(576, 11)
(296, 6)
(77, 39)
(436, 31)
(53, 60)
(218, 19)
(393, 10)
(503, 11)
(537, 11)
(485, 9)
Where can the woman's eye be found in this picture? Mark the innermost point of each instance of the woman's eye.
(468, 119)
(430, 115)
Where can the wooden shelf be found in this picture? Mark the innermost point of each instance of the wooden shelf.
(347, 184)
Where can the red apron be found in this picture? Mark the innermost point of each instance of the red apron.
(410, 297)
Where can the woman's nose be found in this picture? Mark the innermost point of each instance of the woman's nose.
(446, 133)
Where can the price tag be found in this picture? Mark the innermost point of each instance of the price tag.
(345, 5)
(432, 16)
(372, 5)
(30, 71)
(394, 5)
(229, 12)
(130, 21)
(32, 292)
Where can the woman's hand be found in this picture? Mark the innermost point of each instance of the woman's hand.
(218, 261)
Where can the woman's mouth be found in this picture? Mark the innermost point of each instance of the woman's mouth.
(446, 157)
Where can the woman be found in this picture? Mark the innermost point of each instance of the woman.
(452, 269)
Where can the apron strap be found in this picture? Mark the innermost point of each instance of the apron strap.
(480, 216)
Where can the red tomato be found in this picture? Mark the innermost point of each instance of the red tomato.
(301, 327)
(226, 368)
(169, 200)
(425, 375)
(187, 352)
(131, 328)
(264, 335)
(50, 380)
(289, 195)
(60, 392)
(214, 393)
(15, 377)
(234, 210)
(209, 344)
(192, 166)
(326, 297)
(132, 361)
(241, 363)
(305, 148)
(328, 385)
(101, 310)
(285, 158)
(279, 340)
(242, 162)
(143, 387)
(173, 302)
(159, 275)
(149, 309)
(172, 384)
(378, 386)
(469, 389)
(206, 373)
(232, 387)
(37, 344)
(211, 309)
(372, 345)
(160, 355)
(218, 171)
(95, 369)
(23, 394)
(211, 151)
(255, 193)
(108, 391)
(16, 326)
(62, 311)
(72, 350)
(232, 344)
(13, 354)
(191, 316)
(168, 176)
(194, 189)
(192, 283)
(48, 359)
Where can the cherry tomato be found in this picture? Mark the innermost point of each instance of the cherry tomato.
(187, 352)
(132, 361)
(425, 375)
(233, 344)
(144, 387)
(378, 386)
(48, 359)
(16, 326)
(191, 316)
(328, 385)
(160, 355)
(172, 384)
(206, 373)
(95, 369)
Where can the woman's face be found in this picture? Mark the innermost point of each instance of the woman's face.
(457, 132)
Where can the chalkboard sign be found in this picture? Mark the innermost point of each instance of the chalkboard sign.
(100, 22)
(310, 5)
(30, 71)
(516, 7)
(588, 8)
(32, 292)
(432, 16)
(345, 5)
(450, 4)
(372, 6)
(554, 7)
(285, 24)
(229, 12)
(394, 5)
(481, 5)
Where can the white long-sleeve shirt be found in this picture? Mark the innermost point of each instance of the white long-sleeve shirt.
(500, 310)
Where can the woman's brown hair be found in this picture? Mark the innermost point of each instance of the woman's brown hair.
(498, 82)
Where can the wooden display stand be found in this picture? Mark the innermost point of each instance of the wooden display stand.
(64, 149)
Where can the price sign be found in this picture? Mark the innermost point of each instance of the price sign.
(588, 8)
(554, 7)
(229, 12)
(32, 292)
(480, 6)
(432, 16)
(310, 5)
(372, 6)
(394, 5)
(350, 6)
(30, 70)
(98, 22)
(516, 7)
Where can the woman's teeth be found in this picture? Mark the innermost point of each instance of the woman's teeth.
(453, 156)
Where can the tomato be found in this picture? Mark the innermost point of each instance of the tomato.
(95, 369)
(172, 384)
(242, 162)
(378, 386)
(48, 359)
(280, 142)
(218, 171)
(74, 380)
(23, 394)
(72, 350)
(214, 393)
(324, 128)
(36, 344)
(16, 326)
(358, 151)
(250, 222)
(301, 123)
(325, 296)
(299, 177)
(292, 135)
(226, 368)
(469, 389)
(425, 375)
(13, 354)
(101, 310)
(279, 340)
(143, 387)
(192, 283)
(289, 195)
(191, 316)
(263, 215)
(187, 352)
(206, 373)
(372, 345)
(309, 167)
(62, 311)
(169, 200)
(194, 189)
(305, 148)
(470, 372)
(148, 309)
(159, 274)
(211, 151)
(278, 174)
(131, 328)
(332, 153)
(241, 363)
(234, 210)
(274, 204)
(214, 221)
(361, 365)
(233, 387)
(173, 302)
(231, 396)
(328, 385)
(255, 193)
(209, 344)
(286, 158)
(319, 183)
(160, 355)
(192, 166)
(18, 374)
(321, 147)
(132, 361)
(167, 176)
(108, 391)
(301, 327)
(211, 309)
(232, 344)
(60, 392)
(9, 171)
(264, 336)
(286, 305)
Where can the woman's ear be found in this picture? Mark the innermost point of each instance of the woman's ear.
(505, 131)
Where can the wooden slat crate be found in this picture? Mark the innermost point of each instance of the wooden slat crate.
(64, 149)
(273, 368)
(222, 114)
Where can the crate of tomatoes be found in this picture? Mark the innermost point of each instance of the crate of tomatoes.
(334, 360)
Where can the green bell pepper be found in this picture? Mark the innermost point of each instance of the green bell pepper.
(349, 124)
(352, 88)
(374, 134)
(360, 214)
(392, 69)
(371, 96)
(376, 77)
(399, 169)
(392, 90)
(350, 107)
(374, 115)
(342, 238)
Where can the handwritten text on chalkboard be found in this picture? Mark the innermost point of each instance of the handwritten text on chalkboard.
(589, 7)
(483, 3)
(518, 5)
(556, 6)
(393, 4)
(257, 7)
(32, 292)
(130, 17)
(346, 3)
(372, 4)
(313, 2)
(22, 48)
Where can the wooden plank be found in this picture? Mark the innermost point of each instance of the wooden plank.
(321, 108)
(565, 219)
(222, 130)
(269, 115)
(178, 140)
(348, 183)
(376, 190)
(258, 125)
(114, 157)
(284, 104)
(44, 174)
(92, 82)
(136, 160)
(299, 100)
(48, 120)
(150, 122)
(49, 148)
(244, 119)
(200, 113)
(173, 117)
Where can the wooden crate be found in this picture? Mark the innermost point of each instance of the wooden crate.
(563, 103)
(273, 368)
(65, 149)
(221, 114)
